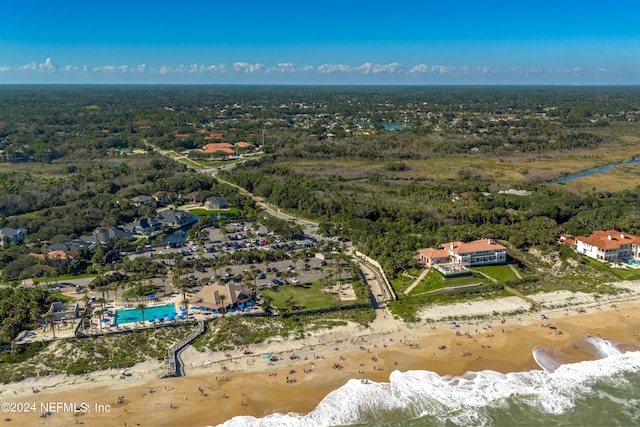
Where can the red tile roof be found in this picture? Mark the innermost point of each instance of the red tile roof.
(474, 246)
(609, 239)
(431, 253)
(244, 144)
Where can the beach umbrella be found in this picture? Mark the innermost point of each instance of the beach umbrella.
(231, 310)
(240, 305)
(453, 323)
(152, 296)
(216, 312)
(249, 303)
(180, 316)
(105, 320)
(202, 309)
(269, 356)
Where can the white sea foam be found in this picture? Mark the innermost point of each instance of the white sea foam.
(461, 400)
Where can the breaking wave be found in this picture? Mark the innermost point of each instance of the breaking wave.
(474, 398)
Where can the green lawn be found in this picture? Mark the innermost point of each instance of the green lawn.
(630, 274)
(203, 211)
(502, 273)
(434, 280)
(308, 296)
(401, 283)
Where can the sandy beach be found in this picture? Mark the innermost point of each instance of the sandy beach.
(300, 373)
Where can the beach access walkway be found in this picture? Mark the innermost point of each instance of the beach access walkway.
(176, 368)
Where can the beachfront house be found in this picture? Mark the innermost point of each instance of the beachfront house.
(455, 258)
(609, 246)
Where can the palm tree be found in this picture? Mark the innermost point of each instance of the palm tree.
(142, 307)
(222, 298)
(185, 303)
(50, 317)
(100, 314)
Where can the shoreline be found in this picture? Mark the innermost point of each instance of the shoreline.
(221, 385)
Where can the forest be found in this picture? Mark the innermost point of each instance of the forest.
(392, 168)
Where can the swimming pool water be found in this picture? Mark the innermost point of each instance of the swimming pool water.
(135, 315)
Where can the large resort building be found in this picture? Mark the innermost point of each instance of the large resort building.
(455, 258)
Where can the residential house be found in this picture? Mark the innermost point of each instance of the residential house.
(245, 145)
(173, 218)
(214, 137)
(12, 235)
(101, 237)
(220, 147)
(191, 197)
(210, 296)
(567, 239)
(143, 225)
(609, 246)
(163, 198)
(142, 200)
(67, 246)
(214, 203)
(477, 252)
(467, 254)
(58, 259)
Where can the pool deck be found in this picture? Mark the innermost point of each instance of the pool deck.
(68, 329)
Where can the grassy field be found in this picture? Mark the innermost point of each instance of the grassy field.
(501, 273)
(434, 280)
(525, 167)
(203, 211)
(401, 283)
(307, 296)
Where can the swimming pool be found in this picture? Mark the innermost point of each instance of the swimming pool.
(633, 263)
(150, 313)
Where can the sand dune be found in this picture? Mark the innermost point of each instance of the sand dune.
(220, 385)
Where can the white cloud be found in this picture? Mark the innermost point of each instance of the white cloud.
(287, 67)
(165, 69)
(4, 69)
(28, 67)
(386, 68)
(247, 68)
(333, 68)
(420, 68)
(48, 65)
(113, 68)
(364, 68)
(441, 69)
(220, 68)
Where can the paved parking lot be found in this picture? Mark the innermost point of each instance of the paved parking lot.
(246, 238)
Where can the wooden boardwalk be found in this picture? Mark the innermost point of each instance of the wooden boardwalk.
(176, 368)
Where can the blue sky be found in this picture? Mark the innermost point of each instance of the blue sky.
(320, 42)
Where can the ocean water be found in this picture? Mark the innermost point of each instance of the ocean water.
(602, 391)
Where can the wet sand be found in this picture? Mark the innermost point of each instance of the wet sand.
(252, 385)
